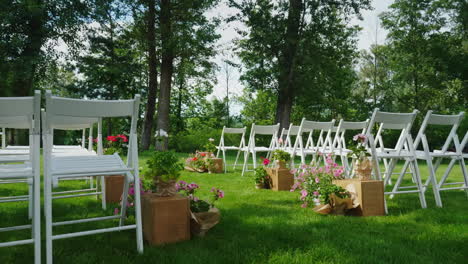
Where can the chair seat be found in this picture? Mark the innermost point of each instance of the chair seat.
(436, 154)
(394, 154)
(14, 152)
(13, 158)
(83, 165)
(257, 149)
(23, 170)
(228, 148)
(18, 147)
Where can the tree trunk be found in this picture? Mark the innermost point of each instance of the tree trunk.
(287, 61)
(167, 68)
(153, 74)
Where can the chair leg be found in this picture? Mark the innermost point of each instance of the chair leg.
(37, 221)
(237, 158)
(224, 161)
(254, 157)
(246, 159)
(48, 219)
(30, 201)
(465, 174)
(446, 173)
(422, 197)
(123, 205)
(432, 179)
(103, 191)
(139, 229)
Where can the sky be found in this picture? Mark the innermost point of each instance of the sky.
(367, 37)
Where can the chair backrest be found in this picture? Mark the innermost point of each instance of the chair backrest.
(59, 108)
(270, 130)
(23, 113)
(287, 134)
(233, 130)
(309, 127)
(441, 120)
(393, 121)
(339, 141)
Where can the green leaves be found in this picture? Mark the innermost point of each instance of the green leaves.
(164, 164)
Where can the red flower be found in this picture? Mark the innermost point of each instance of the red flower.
(203, 154)
(123, 137)
(266, 162)
(95, 140)
(111, 138)
(195, 158)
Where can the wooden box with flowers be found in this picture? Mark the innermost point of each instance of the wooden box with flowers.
(165, 214)
(114, 184)
(205, 161)
(281, 177)
(204, 215)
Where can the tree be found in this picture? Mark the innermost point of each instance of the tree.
(297, 48)
(152, 73)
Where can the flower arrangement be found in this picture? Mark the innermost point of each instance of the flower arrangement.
(281, 157)
(116, 144)
(316, 186)
(197, 162)
(362, 166)
(164, 168)
(198, 205)
(210, 147)
(359, 150)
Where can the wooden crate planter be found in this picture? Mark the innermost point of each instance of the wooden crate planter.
(114, 188)
(370, 194)
(217, 166)
(165, 219)
(281, 179)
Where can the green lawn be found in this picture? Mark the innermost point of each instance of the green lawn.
(262, 226)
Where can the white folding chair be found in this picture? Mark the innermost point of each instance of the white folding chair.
(21, 113)
(339, 142)
(223, 148)
(60, 167)
(3, 134)
(403, 150)
(286, 136)
(438, 155)
(317, 147)
(252, 147)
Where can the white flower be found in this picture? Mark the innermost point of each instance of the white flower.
(211, 139)
(316, 201)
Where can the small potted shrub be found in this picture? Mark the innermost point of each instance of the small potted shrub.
(363, 164)
(262, 180)
(164, 167)
(281, 157)
(204, 213)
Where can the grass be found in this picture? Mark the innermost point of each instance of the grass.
(262, 226)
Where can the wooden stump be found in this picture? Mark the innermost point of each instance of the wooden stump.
(114, 188)
(281, 179)
(165, 219)
(370, 195)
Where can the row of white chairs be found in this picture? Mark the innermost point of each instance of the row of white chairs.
(324, 138)
(65, 162)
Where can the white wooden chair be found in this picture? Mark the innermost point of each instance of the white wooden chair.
(339, 142)
(24, 112)
(438, 155)
(60, 167)
(315, 148)
(252, 147)
(223, 148)
(286, 136)
(403, 150)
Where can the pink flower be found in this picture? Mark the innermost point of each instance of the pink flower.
(280, 141)
(221, 194)
(316, 193)
(304, 205)
(360, 137)
(116, 211)
(192, 186)
(303, 194)
(131, 191)
(317, 180)
(266, 162)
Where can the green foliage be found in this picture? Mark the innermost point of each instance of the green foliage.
(261, 176)
(165, 165)
(281, 155)
(199, 206)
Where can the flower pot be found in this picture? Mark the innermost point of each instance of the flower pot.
(165, 219)
(204, 221)
(216, 165)
(281, 179)
(165, 188)
(363, 169)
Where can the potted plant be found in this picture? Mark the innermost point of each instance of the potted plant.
(262, 180)
(318, 190)
(204, 213)
(114, 184)
(281, 157)
(164, 168)
(203, 161)
(196, 162)
(362, 163)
